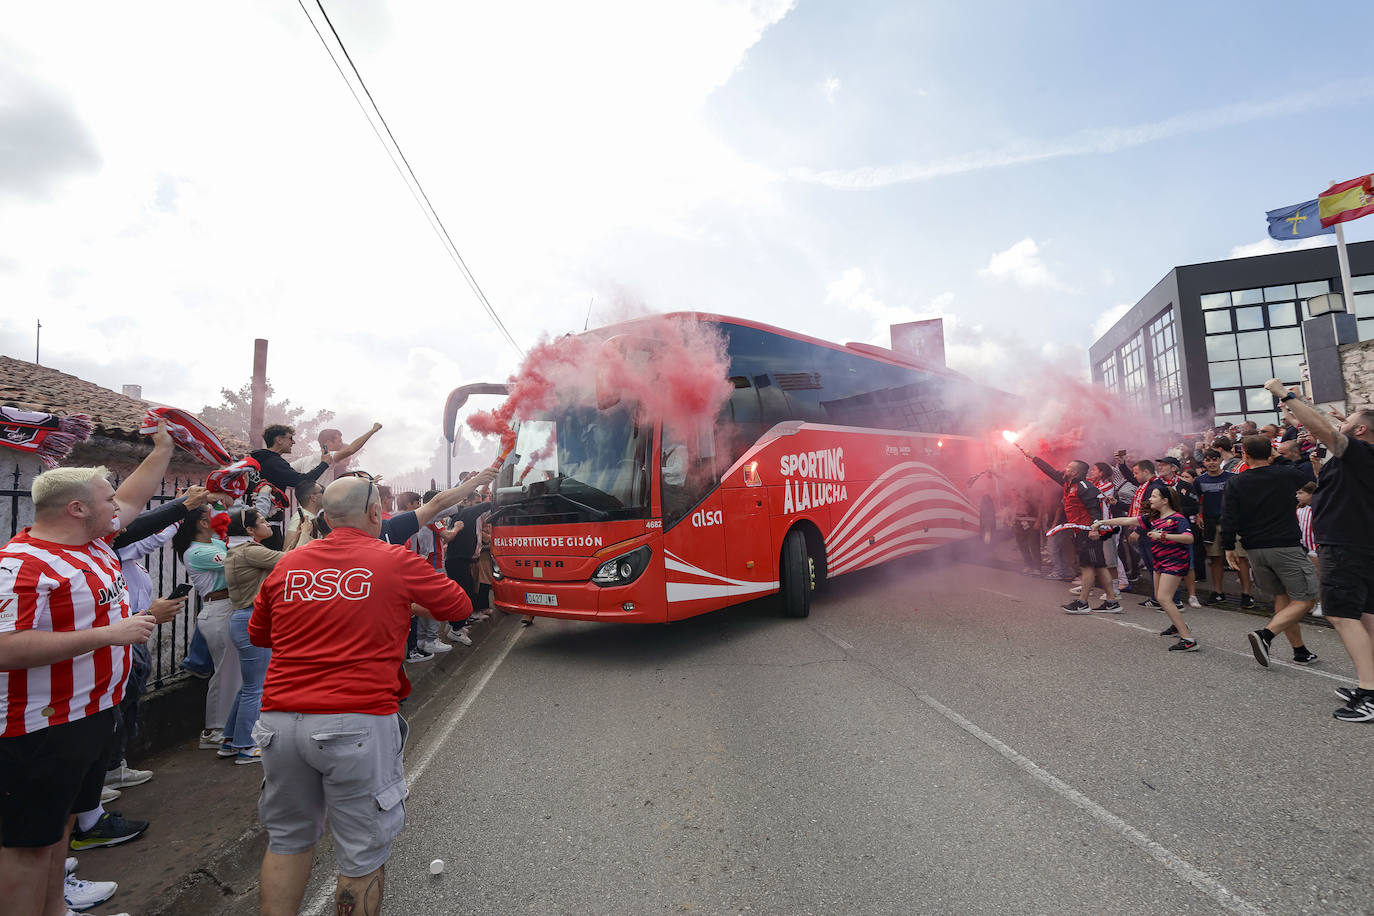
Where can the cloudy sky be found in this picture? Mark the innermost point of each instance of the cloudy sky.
(177, 179)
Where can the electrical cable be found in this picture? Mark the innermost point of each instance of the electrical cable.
(431, 215)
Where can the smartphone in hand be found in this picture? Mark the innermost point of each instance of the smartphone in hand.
(181, 591)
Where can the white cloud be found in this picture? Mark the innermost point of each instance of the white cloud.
(1269, 245)
(830, 87)
(1022, 265)
(1091, 140)
(1108, 318)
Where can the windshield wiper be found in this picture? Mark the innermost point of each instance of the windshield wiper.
(597, 515)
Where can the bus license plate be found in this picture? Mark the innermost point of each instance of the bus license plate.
(536, 598)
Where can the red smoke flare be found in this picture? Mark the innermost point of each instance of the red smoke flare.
(667, 370)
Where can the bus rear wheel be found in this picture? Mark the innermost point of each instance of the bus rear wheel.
(798, 570)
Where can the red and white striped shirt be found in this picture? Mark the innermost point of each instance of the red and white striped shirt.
(1305, 526)
(61, 588)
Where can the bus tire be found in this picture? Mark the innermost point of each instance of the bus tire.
(798, 575)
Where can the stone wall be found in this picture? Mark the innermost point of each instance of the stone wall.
(1357, 368)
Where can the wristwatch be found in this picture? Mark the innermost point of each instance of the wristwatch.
(1290, 396)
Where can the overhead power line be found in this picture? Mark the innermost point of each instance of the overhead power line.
(403, 168)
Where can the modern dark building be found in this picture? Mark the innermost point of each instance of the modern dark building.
(1198, 348)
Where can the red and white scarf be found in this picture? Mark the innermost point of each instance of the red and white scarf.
(48, 436)
(234, 479)
(1138, 499)
(189, 433)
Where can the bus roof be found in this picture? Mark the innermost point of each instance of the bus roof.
(869, 351)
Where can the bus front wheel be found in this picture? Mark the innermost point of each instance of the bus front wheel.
(798, 570)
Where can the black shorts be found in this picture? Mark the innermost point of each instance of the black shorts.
(1347, 586)
(1089, 550)
(49, 775)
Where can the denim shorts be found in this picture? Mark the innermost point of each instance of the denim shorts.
(346, 765)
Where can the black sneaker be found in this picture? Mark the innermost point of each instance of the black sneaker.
(1109, 607)
(1171, 631)
(1247, 602)
(1260, 646)
(1347, 693)
(1302, 656)
(1184, 645)
(418, 655)
(1150, 602)
(1360, 709)
(1076, 607)
(1214, 598)
(110, 830)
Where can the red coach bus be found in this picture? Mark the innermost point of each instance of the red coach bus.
(826, 459)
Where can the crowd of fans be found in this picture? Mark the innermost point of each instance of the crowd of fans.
(1289, 508)
(77, 611)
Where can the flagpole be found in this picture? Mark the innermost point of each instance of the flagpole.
(1347, 294)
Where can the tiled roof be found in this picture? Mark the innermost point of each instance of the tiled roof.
(30, 386)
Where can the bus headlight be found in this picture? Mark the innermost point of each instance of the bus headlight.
(624, 569)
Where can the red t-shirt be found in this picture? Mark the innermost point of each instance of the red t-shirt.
(335, 614)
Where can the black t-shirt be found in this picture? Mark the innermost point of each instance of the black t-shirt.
(1343, 506)
(1210, 489)
(1261, 505)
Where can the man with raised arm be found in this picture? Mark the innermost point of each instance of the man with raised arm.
(65, 633)
(335, 614)
(1342, 517)
(1083, 506)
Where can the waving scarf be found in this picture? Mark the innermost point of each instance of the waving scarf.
(187, 432)
(234, 479)
(46, 435)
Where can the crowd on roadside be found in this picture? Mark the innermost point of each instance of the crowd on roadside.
(1287, 507)
(77, 611)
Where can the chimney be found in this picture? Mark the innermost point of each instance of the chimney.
(134, 391)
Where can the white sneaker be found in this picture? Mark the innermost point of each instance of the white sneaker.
(211, 739)
(435, 646)
(1193, 602)
(1076, 590)
(1317, 609)
(108, 795)
(70, 864)
(82, 895)
(124, 776)
(461, 635)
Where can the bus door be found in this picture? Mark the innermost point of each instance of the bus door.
(693, 522)
(751, 561)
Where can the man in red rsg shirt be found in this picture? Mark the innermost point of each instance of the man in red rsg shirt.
(335, 614)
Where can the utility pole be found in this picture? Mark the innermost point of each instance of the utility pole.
(259, 405)
(38, 338)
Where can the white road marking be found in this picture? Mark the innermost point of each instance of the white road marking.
(413, 774)
(836, 640)
(1250, 655)
(1180, 867)
(1001, 594)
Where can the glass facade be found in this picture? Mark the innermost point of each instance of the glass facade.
(1364, 305)
(1254, 335)
(1163, 333)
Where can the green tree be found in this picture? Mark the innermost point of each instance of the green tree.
(235, 410)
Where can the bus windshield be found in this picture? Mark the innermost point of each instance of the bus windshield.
(581, 461)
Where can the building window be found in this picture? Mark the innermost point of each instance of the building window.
(1133, 369)
(1108, 370)
(1216, 301)
(1247, 297)
(1278, 293)
(1168, 394)
(1282, 313)
(1362, 284)
(1314, 288)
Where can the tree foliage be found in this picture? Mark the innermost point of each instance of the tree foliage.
(235, 410)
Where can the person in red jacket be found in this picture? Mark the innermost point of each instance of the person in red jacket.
(335, 614)
(1082, 506)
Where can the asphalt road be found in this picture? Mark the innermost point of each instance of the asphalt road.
(935, 738)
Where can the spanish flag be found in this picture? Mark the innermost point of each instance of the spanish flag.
(1346, 201)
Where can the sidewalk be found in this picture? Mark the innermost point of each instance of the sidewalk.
(205, 845)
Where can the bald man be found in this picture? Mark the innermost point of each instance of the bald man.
(335, 614)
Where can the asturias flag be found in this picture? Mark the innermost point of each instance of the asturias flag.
(1346, 201)
(1299, 221)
